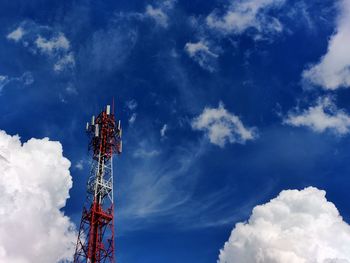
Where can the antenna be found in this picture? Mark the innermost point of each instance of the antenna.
(95, 242)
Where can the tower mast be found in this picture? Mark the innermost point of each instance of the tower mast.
(95, 242)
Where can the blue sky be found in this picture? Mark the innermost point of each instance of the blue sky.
(223, 104)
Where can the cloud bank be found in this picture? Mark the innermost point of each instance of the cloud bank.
(321, 117)
(34, 186)
(333, 69)
(295, 227)
(222, 127)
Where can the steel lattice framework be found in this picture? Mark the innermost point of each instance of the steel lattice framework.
(96, 234)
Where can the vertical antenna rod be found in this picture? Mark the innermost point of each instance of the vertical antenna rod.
(95, 242)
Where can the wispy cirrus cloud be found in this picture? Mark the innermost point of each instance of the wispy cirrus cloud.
(158, 187)
(167, 184)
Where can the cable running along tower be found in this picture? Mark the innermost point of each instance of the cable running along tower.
(96, 233)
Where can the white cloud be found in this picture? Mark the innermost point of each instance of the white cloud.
(163, 130)
(54, 45)
(34, 186)
(145, 150)
(159, 13)
(67, 61)
(71, 89)
(168, 186)
(145, 153)
(333, 70)
(25, 79)
(244, 14)
(108, 48)
(295, 227)
(132, 118)
(58, 47)
(201, 53)
(79, 165)
(17, 34)
(131, 104)
(222, 127)
(4, 80)
(321, 117)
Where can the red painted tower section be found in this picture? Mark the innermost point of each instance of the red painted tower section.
(96, 233)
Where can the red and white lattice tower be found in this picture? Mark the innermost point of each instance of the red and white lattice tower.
(96, 234)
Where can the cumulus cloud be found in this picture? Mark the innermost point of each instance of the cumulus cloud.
(296, 226)
(46, 41)
(34, 186)
(324, 115)
(333, 69)
(222, 126)
(244, 14)
(201, 53)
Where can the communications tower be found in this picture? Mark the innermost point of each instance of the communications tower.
(96, 233)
